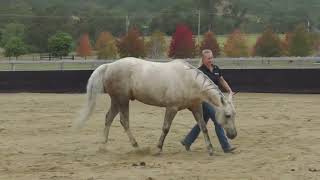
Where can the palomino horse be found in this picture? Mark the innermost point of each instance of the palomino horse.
(175, 85)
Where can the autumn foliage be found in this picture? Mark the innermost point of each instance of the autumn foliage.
(131, 44)
(84, 48)
(268, 44)
(106, 46)
(182, 43)
(236, 45)
(210, 42)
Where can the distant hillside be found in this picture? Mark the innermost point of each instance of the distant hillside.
(42, 18)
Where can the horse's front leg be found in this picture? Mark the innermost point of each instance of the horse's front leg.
(168, 118)
(198, 115)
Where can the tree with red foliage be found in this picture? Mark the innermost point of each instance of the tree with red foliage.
(131, 44)
(268, 44)
(210, 42)
(84, 48)
(182, 43)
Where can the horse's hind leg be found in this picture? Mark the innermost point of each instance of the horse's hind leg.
(113, 111)
(124, 120)
(169, 116)
(198, 115)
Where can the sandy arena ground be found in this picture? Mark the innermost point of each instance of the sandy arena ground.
(278, 138)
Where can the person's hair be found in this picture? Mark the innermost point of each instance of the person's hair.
(203, 53)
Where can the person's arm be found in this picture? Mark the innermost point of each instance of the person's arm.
(225, 85)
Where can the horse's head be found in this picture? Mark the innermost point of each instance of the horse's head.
(225, 112)
(225, 115)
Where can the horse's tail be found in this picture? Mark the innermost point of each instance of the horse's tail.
(94, 87)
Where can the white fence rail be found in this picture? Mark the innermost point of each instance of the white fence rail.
(225, 63)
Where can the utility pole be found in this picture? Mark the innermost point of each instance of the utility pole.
(199, 22)
(211, 15)
(127, 23)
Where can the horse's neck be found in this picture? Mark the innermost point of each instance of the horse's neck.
(204, 82)
(209, 91)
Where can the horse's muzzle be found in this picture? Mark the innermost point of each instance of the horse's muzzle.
(232, 135)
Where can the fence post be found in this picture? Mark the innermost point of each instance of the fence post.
(13, 68)
(61, 66)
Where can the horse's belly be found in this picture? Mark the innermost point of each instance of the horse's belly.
(163, 97)
(151, 98)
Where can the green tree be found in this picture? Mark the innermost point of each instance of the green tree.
(60, 44)
(15, 47)
(12, 30)
(210, 8)
(300, 43)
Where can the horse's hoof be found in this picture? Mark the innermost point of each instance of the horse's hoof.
(102, 149)
(156, 152)
(210, 152)
(135, 145)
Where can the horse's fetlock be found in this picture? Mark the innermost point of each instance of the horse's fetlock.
(159, 146)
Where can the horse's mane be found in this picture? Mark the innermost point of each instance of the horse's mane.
(211, 85)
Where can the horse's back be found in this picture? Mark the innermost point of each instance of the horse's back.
(153, 83)
(134, 66)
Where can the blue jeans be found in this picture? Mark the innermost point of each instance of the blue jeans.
(208, 112)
